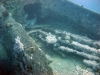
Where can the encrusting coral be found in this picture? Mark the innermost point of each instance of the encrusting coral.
(71, 43)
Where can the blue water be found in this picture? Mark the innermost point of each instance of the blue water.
(93, 5)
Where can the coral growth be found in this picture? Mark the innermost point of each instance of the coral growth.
(18, 46)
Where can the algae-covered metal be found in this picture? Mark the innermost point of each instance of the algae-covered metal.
(25, 57)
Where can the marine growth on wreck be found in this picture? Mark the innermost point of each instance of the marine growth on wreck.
(48, 37)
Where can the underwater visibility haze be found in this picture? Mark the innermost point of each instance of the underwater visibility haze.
(90, 4)
(49, 37)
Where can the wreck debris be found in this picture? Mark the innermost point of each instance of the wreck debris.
(15, 40)
(71, 43)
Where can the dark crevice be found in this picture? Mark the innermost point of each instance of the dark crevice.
(33, 10)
